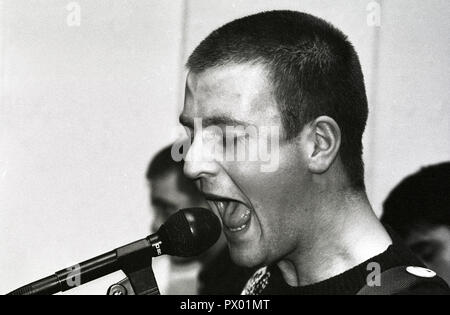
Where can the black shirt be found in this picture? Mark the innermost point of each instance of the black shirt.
(352, 281)
(221, 276)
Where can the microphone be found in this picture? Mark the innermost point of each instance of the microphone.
(188, 232)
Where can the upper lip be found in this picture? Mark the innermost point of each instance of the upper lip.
(214, 197)
(217, 198)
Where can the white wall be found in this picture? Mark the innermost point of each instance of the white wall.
(411, 108)
(82, 111)
(84, 108)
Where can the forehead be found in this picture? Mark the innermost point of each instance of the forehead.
(239, 91)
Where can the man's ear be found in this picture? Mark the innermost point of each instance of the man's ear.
(325, 137)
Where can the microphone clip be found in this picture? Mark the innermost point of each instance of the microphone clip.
(135, 261)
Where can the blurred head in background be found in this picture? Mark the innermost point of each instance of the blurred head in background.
(419, 210)
(170, 190)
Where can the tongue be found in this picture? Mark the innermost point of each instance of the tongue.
(237, 217)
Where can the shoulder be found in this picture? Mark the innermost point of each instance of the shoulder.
(423, 281)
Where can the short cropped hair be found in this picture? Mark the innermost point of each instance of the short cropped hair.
(419, 201)
(313, 68)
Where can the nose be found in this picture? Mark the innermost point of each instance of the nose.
(200, 161)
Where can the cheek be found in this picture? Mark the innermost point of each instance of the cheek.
(446, 255)
(274, 195)
(277, 187)
(181, 200)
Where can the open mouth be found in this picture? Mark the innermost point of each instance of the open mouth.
(235, 215)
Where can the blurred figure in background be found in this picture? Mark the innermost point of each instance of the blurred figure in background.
(211, 273)
(418, 209)
(171, 191)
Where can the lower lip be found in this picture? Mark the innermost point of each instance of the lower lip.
(231, 233)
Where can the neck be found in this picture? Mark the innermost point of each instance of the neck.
(346, 233)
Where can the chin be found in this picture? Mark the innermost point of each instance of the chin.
(246, 258)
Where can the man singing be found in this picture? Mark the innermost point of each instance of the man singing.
(295, 76)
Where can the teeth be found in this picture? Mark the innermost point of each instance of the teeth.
(225, 209)
(238, 228)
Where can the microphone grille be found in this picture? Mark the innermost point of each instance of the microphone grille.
(191, 231)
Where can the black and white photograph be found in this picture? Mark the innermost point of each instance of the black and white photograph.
(224, 152)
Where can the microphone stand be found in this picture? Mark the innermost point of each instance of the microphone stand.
(140, 280)
(140, 276)
(190, 231)
(134, 259)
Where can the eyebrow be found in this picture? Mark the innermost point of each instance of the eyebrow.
(213, 121)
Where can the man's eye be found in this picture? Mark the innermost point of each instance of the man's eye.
(230, 140)
(428, 257)
(427, 251)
